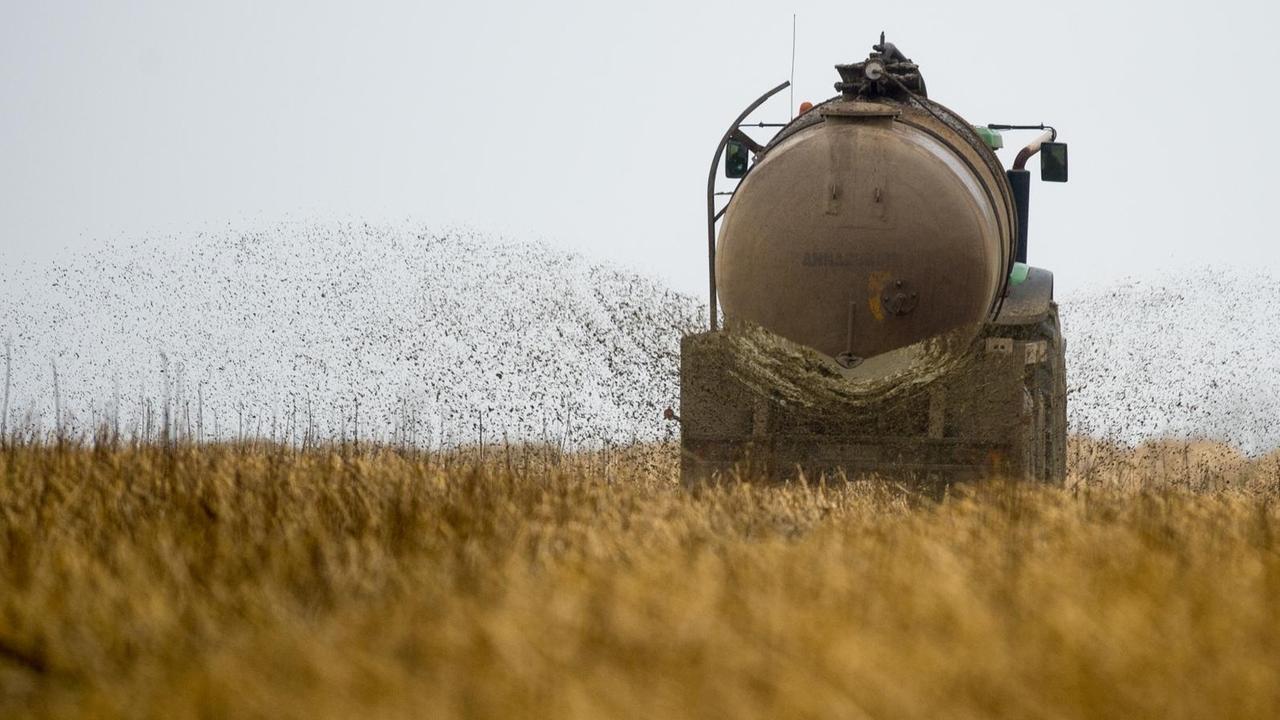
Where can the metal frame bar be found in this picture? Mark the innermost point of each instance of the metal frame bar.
(712, 215)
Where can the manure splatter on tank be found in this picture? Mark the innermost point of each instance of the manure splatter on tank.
(803, 378)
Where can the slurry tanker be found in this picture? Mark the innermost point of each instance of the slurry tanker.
(879, 314)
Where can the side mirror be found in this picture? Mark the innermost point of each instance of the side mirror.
(736, 159)
(1053, 162)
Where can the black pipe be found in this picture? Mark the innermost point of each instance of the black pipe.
(1020, 183)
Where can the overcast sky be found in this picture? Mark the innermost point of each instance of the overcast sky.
(590, 125)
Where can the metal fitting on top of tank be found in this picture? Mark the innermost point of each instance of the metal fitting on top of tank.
(870, 78)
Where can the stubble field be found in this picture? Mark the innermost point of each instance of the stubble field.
(265, 581)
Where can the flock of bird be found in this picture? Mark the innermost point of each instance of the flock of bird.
(1180, 355)
(311, 332)
(306, 333)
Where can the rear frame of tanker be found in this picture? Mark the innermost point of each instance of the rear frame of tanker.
(1000, 413)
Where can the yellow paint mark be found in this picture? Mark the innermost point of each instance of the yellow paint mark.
(875, 284)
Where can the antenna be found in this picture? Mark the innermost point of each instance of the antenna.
(791, 95)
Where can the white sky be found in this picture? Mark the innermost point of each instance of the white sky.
(590, 125)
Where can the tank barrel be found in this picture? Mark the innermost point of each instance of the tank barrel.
(880, 210)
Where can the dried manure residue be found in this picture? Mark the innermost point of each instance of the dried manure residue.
(801, 377)
(262, 581)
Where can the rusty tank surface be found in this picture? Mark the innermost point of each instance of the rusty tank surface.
(878, 312)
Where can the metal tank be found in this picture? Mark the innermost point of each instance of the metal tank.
(870, 227)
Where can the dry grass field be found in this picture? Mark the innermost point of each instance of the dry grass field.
(260, 581)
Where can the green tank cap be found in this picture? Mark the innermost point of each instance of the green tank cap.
(992, 138)
(1019, 273)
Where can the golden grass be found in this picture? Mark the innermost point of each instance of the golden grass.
(261, 582)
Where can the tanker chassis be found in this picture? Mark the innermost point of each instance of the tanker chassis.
(879, 314)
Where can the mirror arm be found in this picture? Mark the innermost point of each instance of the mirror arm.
(712, 217)
(745, 139)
